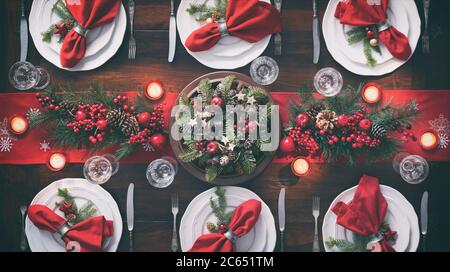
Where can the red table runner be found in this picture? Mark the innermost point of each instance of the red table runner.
(35, 146)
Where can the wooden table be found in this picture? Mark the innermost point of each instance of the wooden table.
(19, 184)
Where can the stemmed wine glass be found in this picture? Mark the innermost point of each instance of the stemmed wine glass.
(99, 169)
(161, 172)
(264, 70)
(328, 82)
(25, 76)
(413, 169)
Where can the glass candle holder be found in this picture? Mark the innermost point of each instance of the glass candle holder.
(18, 124)
(57, 161)
(371, 93)
(429, 140)
(300, 166)
(154, 90)
(328, 82)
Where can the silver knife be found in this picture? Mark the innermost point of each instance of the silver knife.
(23, 34)
(424, 218)
(316, 34)
(172, 32)
(130, 213)
(282, 216)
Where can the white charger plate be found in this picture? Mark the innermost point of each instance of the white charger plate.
(392, 195)
(201, 202)
(96, 39)
(87, 63)
(329, 29)
(82, 190)
(229, 53)
(397, 17)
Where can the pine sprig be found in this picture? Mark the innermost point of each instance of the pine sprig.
(88, 210)
(345, 246)
(359, 34)
(248, 163)
(203, 11)
(219, 206)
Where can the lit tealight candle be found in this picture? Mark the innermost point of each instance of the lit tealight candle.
(18, 124)
(57, 161)
(154, 90)
(371, 93)
(300, 166)
(429, 140)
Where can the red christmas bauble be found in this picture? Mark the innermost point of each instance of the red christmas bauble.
(287, 145)
(302, 119)
(365, 124)
(102, 124)
(80, 116)
(212, 147)
(216, 101)
(143, 118)
(342, 120)
(158, 141)
(223, 228)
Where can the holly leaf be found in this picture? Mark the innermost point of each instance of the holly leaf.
(248, 163)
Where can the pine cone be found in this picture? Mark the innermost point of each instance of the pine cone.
(315, 110)
(325, 120)
(67, 107)
(378, 131)
(121, 120)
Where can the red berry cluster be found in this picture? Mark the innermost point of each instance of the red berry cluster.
(359, 139)
(141, 137)
(47, 102)
(156, 123)
(355, 131)
(89, 117)
(201, 145)
(304, 140)
(122, 101)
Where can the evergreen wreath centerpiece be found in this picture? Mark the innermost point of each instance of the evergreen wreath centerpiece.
(95, 120)
(344, 127)
(223, 161)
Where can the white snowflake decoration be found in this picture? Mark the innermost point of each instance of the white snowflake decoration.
(6, 144)
(4, 131)
(443, 141)
(33, 113)
(148, 147)
(44, 146)
(440, 125)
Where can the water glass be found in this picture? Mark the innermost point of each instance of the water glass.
(161, 172)
(328, 82)
(23, 75)
(414, 169)
(99, 169)
(264, 70)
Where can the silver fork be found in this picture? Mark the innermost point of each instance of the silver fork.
(277, 37)
(315, 213)
(425, 35)
(23, 239)
(174, 232)
(132, 42)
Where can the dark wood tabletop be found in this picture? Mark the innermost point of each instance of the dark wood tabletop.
(19, 184)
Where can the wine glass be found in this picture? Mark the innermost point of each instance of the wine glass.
(398, 160)
(414, 169)
(99, 169)
(264, 70)
(328, 82)
(161, 172)
(24, 76)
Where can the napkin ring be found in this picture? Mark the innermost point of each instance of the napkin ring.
(223, 29)
(383, 26)
(230, 235)
(80, 29)
(64, 228)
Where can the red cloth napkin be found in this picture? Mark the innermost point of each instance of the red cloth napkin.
(365, 213)
(89, 234)
(369, 12)
(89, 14)
(250, 20)
(242, 221)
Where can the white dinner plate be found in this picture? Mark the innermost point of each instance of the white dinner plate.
(229, 53)
(44, 241)
(329, 28)
(397, 17)
(105, 44)
(329, 228)
(262, 238)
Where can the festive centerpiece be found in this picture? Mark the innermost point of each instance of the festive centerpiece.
(95, 120)
(344, 127)
(223, 160)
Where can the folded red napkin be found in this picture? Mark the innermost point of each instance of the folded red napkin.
(372, 12)
(88, 14)
(90, 233)
(250, 20)
(365, 213)
(242, 221)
